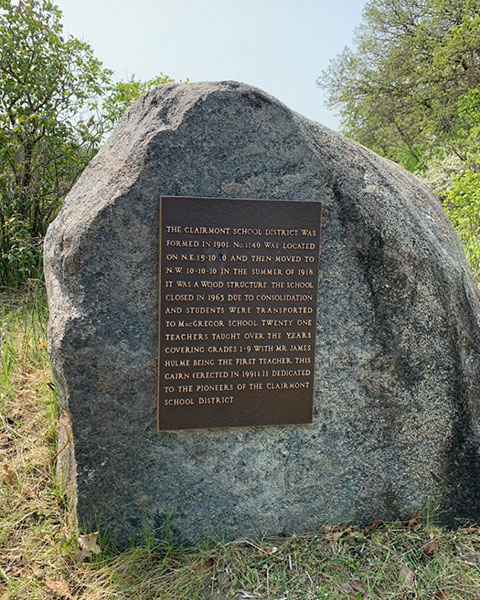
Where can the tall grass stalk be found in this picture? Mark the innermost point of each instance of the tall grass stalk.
(23, 330)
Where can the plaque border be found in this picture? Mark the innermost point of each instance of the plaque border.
(159, 305)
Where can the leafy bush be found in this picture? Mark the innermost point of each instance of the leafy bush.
(57, 102)
(20, 253)
(463, 207)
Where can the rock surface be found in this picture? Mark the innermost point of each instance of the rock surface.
(396, 423)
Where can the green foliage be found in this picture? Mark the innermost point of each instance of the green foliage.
(21, 254)
(410, 91)
(463, 207)
(438, 174)
(48, 126)
(57, 102)
(124, 93)
(469, 125)
(407, 88)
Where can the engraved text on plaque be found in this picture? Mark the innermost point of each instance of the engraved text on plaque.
(237, 312)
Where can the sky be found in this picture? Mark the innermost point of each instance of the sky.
(280, 46)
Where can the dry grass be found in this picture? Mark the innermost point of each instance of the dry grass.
(38, 541)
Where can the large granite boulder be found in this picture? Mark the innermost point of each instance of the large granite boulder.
(396, 415)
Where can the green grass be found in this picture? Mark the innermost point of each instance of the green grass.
(38, 539)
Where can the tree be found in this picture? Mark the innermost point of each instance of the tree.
(57, 102)
(124, 93)
(415, 65)
(49, 127)
(462, 204)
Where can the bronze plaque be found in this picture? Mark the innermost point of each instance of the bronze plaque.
(237, 312)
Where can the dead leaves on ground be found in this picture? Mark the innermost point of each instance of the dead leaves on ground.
(60, 588)
(10, 476)
(470, 530)
(373, 526)
(407, 576)
(431, 546)
(413, 524)
(335, 532)
(88, 546)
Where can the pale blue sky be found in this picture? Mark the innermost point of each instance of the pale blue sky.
(280, 46)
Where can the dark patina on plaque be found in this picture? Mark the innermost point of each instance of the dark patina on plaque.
(237, 312)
